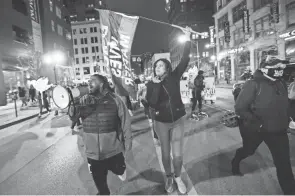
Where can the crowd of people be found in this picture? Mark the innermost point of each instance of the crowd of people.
(103, 118)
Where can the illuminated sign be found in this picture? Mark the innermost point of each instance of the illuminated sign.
(211, 29)
(236, 50)
(246, 25)
(274, 12)
(226, 32)
(33, 10)
(288, 34)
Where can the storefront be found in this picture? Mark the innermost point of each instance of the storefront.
(242, 61)
(225, 68)
(289, 72)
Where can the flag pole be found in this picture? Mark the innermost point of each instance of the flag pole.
(156, 21)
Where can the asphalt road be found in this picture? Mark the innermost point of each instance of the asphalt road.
(40, 156)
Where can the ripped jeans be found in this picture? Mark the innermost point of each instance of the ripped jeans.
(171, 137)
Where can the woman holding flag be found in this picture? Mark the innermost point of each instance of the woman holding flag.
(164, 98)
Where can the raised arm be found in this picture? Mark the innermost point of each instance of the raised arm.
(181, 67)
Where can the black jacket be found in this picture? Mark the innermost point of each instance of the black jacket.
(164, 98)
(263, 104)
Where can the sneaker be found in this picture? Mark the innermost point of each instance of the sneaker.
(89, 168)
(123, 176)
(156, 142)
(180, 185)
(169, 185)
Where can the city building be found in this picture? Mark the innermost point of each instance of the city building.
(136, 64)
(56, 36)
(30, 29)
(196, 14)
(247, 30)
(85, 10)
(87, 50)
(15, 42)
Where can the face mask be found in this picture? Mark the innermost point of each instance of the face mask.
(275, 72)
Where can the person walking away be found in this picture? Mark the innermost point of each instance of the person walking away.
(106, 132)
(22, 95)
(197, 91)
(262, 105)
(141, 95)
(43, 102)
(164, 98)
(32, 93)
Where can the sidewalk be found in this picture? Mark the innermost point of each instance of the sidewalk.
(8, 116)
(223, 84)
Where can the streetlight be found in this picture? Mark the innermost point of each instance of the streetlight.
(56, 57)
(213, 57)
(182, 39)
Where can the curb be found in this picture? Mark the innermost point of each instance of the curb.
(133, 119)
(19, 121)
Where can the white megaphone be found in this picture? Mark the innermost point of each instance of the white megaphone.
(64, 97)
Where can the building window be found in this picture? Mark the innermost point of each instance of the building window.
(77, 61)
(20, 6)
(52, 26)
(87, 59)
(86, 50)
(83, 60)
(51, 5)
(94, 40)
(221, 21)
(58, 12)
(59, 30)
(75, 42)
(95, 29)
(93, 49)
(77, 71)
(261, 3)
(86, 70)
(82, 41)
(85, 41)
(97, 49)
(290, 14)
(90, 5)
(76, 51)
(20, 35)
(83, 31)
(91, 29)
(83, 50)
(221, 43)
(239, 36)
(74, 31)
(262, 25)
(238, 11)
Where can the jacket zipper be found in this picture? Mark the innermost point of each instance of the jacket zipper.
(169, 103)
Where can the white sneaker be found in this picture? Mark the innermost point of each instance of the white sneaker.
(181, 186)
(89, 168)
(169, 185)
(123, 176)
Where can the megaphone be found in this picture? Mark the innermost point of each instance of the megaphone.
(65, 97)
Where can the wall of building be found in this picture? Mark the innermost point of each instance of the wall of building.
(12, 46)
(56, 35)
(253, 44)
(82, 31)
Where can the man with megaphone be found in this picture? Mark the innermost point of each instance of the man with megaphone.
(106, 131)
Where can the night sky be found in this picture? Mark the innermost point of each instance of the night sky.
(150, 36)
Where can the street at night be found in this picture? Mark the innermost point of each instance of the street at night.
(147, 97)
(41, 156)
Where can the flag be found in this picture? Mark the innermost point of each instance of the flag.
(117, 31)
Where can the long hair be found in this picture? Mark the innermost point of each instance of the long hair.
(167, 66)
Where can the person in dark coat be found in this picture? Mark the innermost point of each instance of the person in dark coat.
(164, 98)
(43, 102)
(32, 93)
(197, 91)
(262, 105)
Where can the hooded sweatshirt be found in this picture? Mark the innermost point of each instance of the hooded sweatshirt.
(164, 97)
(263, 104)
